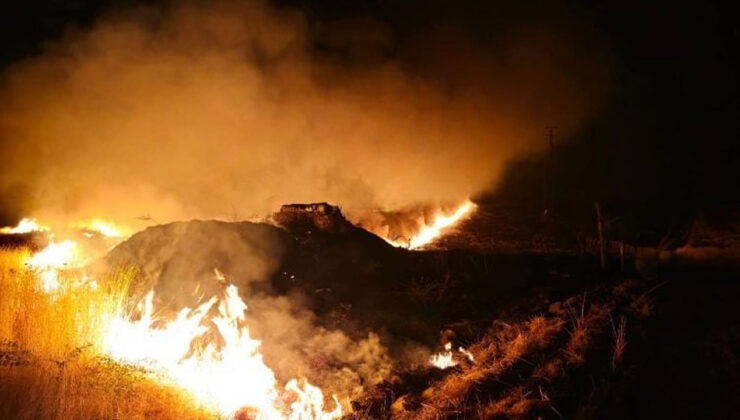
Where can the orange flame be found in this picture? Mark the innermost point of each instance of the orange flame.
(50, 260)
(444, 360)
(102, 227)
(226, 378)
(430, 232)
(26, 225)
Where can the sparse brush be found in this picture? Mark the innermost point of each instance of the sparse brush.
(619, 334)
(585, 325)
(550, 370)
(576, 347)
(513, 405)
(515, 349)
(542, 330)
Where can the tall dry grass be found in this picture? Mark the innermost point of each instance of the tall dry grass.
(51, 366)
(55, 324)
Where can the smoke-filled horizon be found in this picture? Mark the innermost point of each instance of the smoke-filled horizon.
(228, 109)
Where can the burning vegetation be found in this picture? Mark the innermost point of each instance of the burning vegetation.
(55, 313)
(205, 351)
(162, 320)
(441, 258)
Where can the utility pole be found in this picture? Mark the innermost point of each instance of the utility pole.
(549, 168)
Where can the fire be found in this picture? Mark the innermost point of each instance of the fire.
(430, 232)
(102, 227)
(225, 378)
(444, 360)
(49, 261)
(26, 225)
(207, 351)
(65, 254)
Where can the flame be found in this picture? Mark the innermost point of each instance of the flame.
(430, 232)
(225, 378)
(65, 254)
(26, 225)
(102, 227)
(50, 260)
(207, 351)
(444, 360)
(467, 354)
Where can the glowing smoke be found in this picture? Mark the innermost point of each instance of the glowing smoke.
(225, 109)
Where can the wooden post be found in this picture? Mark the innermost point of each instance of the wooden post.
(600, 229)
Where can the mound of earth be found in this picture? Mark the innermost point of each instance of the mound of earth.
(337, 265)
(349, 278)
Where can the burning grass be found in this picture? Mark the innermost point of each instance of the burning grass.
(74, 352)
(50, 352)
(54, 324)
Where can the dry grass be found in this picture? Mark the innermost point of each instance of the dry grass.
(619, 332)
(516, 404)
(87, 388)
(499, 354)
(53, 325)
(50, 363)
(521, 369)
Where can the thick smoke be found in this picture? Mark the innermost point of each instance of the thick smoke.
(229, 109)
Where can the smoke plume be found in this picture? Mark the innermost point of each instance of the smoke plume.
(229, 109)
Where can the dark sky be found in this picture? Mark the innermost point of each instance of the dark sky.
(667, 133)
